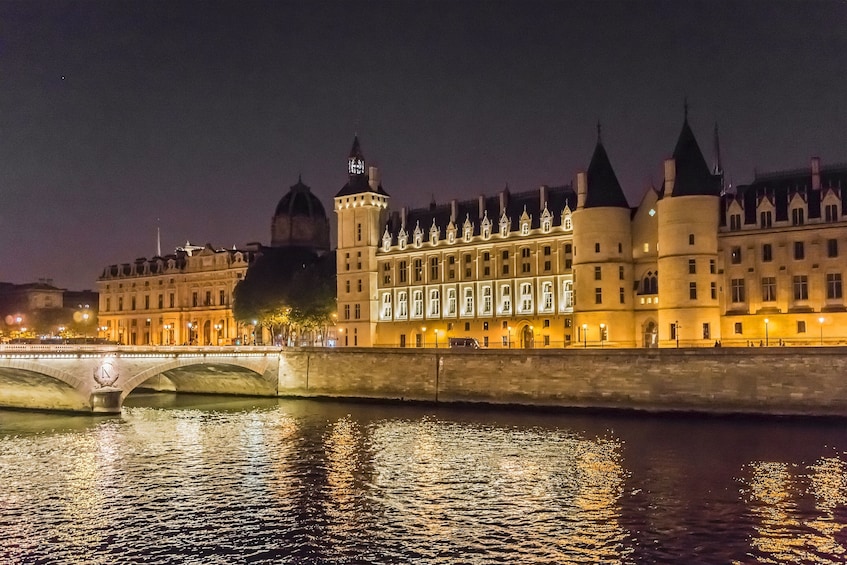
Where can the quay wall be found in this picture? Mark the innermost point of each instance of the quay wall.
(775, 381)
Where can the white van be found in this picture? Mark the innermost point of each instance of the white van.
(466, 342)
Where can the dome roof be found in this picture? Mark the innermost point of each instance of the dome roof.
(300, 202)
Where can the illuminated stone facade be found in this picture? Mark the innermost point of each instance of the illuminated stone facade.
(561, 267)
(182, 298)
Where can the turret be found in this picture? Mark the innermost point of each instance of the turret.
(361, 207)
(602, 262)
(688, 216)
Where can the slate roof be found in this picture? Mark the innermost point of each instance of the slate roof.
(299, 201)
(780, 187)
(693, 176)
(603, 188)
(557, 198)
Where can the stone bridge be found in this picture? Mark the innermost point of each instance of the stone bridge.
(82, 378)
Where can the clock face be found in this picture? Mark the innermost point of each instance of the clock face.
(356, 167)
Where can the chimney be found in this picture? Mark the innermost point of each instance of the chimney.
(542, 196)
(454, 210)
(816, 173)
(403, 213)
(670, 176)
(581, 190)
(481, 206)
(504, 201)
(373, 178)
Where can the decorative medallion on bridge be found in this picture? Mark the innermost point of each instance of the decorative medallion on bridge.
(107, 372)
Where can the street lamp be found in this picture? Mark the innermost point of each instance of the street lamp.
(509, 337)
(820, 321)
(766, 332)
(602, 334)
(218, 333)
(676, 332)
(423, 336)
(436, 338)
(166, 338)
(191, 327)
(585, 336)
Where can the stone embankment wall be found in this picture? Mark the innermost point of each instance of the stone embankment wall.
(779, 381)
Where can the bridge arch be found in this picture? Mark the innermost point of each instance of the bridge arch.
(29, 384)
(211, 375)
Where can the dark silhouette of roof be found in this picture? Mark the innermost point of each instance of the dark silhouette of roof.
(299, 201)
(603, 189)
(780, 187)
(358, 183)
(693, 176)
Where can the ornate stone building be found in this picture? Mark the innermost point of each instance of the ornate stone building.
(691, 265)
(186, 297)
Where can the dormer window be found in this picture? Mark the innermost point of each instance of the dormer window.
(386, 240)
(485, 226)
(451, 237)
(504, 225)
(567, 223)
(525, 228)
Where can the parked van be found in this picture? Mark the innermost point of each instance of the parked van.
(467, 342)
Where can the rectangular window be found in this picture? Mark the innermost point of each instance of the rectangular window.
(767, 253)
(359, 285)
(833, 286)
(221, 297)
(468, 301)
(765, 219)
(486, 272)
(402, 271)
(596, 248)
(208, 298)
(347, 287)
(738, 328)
(692, 267)
(434, 303)
(707, 333)
(526, 297)
(505, 255)
(132, 303)
(799, 250)
(831, 212)
(801, 326)
(505, 268)
(546, 250)
(622, 295)
(402, 305)
(797, 217)
(146, 302)
(417, 304)
(433, 269)
(568, 264)
(735, 255)
(673, 330)
(598, 273)
(712, 267)
(692, 291)
(109, 304)
(486, 256)
(171, 300)
(358, 311)
(418, 270)
(547, 265)
(525, 267)
(832, 248)
(525, 252)
(691, 239)
(451, 301)
(568, 248)
(801, 287)
(467, 258)
(346, 311)
(486, 300)
(620, 273)
(598, 296)
(768, 289)
(735, 222)
(737, 287)
(713, 290)
(358, 232)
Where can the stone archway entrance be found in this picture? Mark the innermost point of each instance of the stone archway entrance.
(527, 337)
(651, 334)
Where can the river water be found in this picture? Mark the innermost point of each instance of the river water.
(210, 480)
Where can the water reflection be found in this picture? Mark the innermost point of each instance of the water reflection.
(211, 480)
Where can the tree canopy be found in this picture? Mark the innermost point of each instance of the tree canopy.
(290, 291)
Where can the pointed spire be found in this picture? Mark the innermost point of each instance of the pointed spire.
(693, 176)
(603, 188)
(599, 133)
(356, 150)
(718, 168)
(685, 107)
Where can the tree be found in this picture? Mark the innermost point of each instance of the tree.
(290, 291)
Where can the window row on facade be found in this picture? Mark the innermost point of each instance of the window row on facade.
(831, 284)
(797, 217)
(162, 301)
(796, 250)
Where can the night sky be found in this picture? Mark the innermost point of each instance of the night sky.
(118, 117)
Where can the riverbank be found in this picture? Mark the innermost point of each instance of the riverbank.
(781, 381)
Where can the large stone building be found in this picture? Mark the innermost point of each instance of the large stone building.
(691, 264)
(186, 297)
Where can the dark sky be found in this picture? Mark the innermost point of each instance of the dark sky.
(116, 117)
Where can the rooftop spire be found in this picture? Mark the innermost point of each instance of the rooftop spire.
(599, 133)
(603, 188)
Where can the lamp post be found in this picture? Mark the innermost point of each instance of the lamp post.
(423, 336)
(509, 337)
(218, 333)
(436, 338)
(820, 321)
(191, 327)
(766, 332)
(602, 334)
(676, 332)
(166, 337)
(585, 336)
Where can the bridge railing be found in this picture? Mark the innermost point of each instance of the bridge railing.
(102, 348)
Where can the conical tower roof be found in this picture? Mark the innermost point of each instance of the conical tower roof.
(693, 176)
(603, 188)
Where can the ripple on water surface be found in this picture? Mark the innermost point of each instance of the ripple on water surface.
(308, 483)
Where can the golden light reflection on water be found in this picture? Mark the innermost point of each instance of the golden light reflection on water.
(519, 487)
(785, 533)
